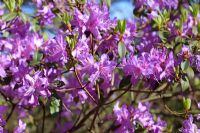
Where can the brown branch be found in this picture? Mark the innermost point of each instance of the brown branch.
(82, 86)
(11, 112)
(119, 95)
(94, 118)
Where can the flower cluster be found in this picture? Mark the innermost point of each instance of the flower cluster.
(129, 118)
(68, 61)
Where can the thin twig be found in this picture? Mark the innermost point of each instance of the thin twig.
(82, 86)
(11, 112)
(119, 96)
(93, 120)
(44, 115)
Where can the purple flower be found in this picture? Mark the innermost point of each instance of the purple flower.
(20, 28)
(2, 124)
(156, 65)
(123, 117)
(3, 109)
(198, 105)
(4, 64)
(45, 14)
(169, 66)
(198, 62)
(104, 69)
(189, 126)
(128, 117)
(21, 127)
(1, 10)
(55, 50)
(81, 51)
(97, 20)
(2, 72)
(33, 87)
(38, 2)
(185, 52)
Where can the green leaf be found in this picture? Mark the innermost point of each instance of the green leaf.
(158, 22)
(119, 25)
(194, 10)
(71, 42)
(186, 103)
(123, 25)
(5, 34)
(198, 27)
(191, 9)
(183, 14)
(45, 36)
(20, 2)
(190, 73)
(125, 81)
(54, 105)
(195, 30)
(23, 16)
(10, 4)
(163, 35)
(108, 3)
(184, 65)
(177, 48)
(82, 2)
(36, 58)
(178, 24)
(121, 49)
(9, 16)
(185, 84)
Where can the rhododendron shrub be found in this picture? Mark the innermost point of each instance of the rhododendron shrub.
(69, 67)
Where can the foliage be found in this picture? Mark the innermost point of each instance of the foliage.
(97, 74)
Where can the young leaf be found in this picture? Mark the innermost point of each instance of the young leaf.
(23, 17)
(186, 103)
(198, 27)
(123, 25)
(119, 26)
(9, 16)
(55, 105)
(10, 4)
(121, 49)
(20, 2)
(36, 58)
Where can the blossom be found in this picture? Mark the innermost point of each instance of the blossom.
(18, 27)
(21, 127)
(97, 20)
(128, 117)
(198, 62)
(45, 14)
(55, 50)
(157, 65)
(103, 69)
(189, 126)
(185, 52)
(2, 124)
(123, 117)
(81, 64)
(38, 2)
(33, 87)
(3, 109)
